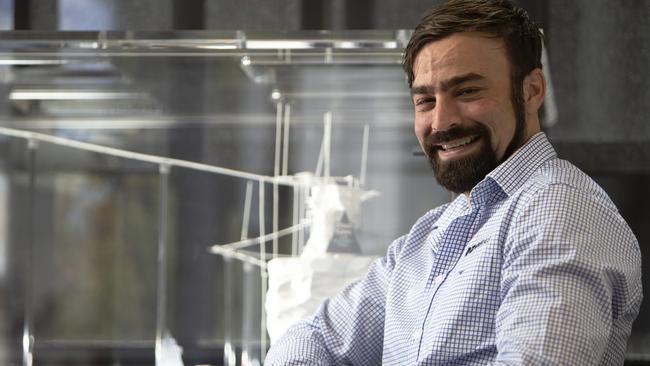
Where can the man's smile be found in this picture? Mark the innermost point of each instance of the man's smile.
(458, 146)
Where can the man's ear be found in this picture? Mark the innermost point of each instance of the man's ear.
(534, 91)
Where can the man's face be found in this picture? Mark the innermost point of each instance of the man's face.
(464, 116)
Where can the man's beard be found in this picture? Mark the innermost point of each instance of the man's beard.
(461, 174)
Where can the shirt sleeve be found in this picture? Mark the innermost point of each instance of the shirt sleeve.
(571, 282)
(347, 329)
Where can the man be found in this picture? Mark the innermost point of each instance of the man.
(530, 265)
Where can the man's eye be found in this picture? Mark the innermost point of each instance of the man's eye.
(422, 101)
(467, 91)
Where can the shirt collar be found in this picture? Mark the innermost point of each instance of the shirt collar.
(523, 163)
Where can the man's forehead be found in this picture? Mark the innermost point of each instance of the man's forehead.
(459, 54)
(474, 39)
(458, 46)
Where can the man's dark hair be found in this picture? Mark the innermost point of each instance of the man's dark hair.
(495, 18)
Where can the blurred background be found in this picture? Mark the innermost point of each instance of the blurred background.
(207, 81)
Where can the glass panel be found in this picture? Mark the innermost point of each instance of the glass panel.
(209, 98)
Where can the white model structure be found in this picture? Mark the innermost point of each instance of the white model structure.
(327, 205)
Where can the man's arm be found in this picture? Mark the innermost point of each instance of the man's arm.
(347, 329)
(571, 283)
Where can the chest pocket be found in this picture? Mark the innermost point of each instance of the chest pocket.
(480, 262)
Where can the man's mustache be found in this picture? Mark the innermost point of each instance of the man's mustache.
(453, 133)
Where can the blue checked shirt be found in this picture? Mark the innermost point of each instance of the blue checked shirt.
(536, 268)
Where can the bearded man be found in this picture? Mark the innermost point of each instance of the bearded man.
(530, 265)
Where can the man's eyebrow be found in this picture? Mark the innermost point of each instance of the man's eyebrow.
(447, 84)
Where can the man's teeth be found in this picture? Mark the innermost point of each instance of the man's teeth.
(457, 143)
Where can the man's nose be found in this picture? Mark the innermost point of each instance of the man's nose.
(445, 115)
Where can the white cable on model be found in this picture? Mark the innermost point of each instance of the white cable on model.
(247, 211)
(364, 155)
(247, 242)
(158, 160)
(327, 142)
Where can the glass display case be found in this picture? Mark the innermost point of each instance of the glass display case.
(130, 158)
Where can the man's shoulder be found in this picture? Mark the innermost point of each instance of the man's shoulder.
(558, 178)
(560, 200)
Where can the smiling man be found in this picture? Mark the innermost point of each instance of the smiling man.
(464, 118)
(530, 265)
